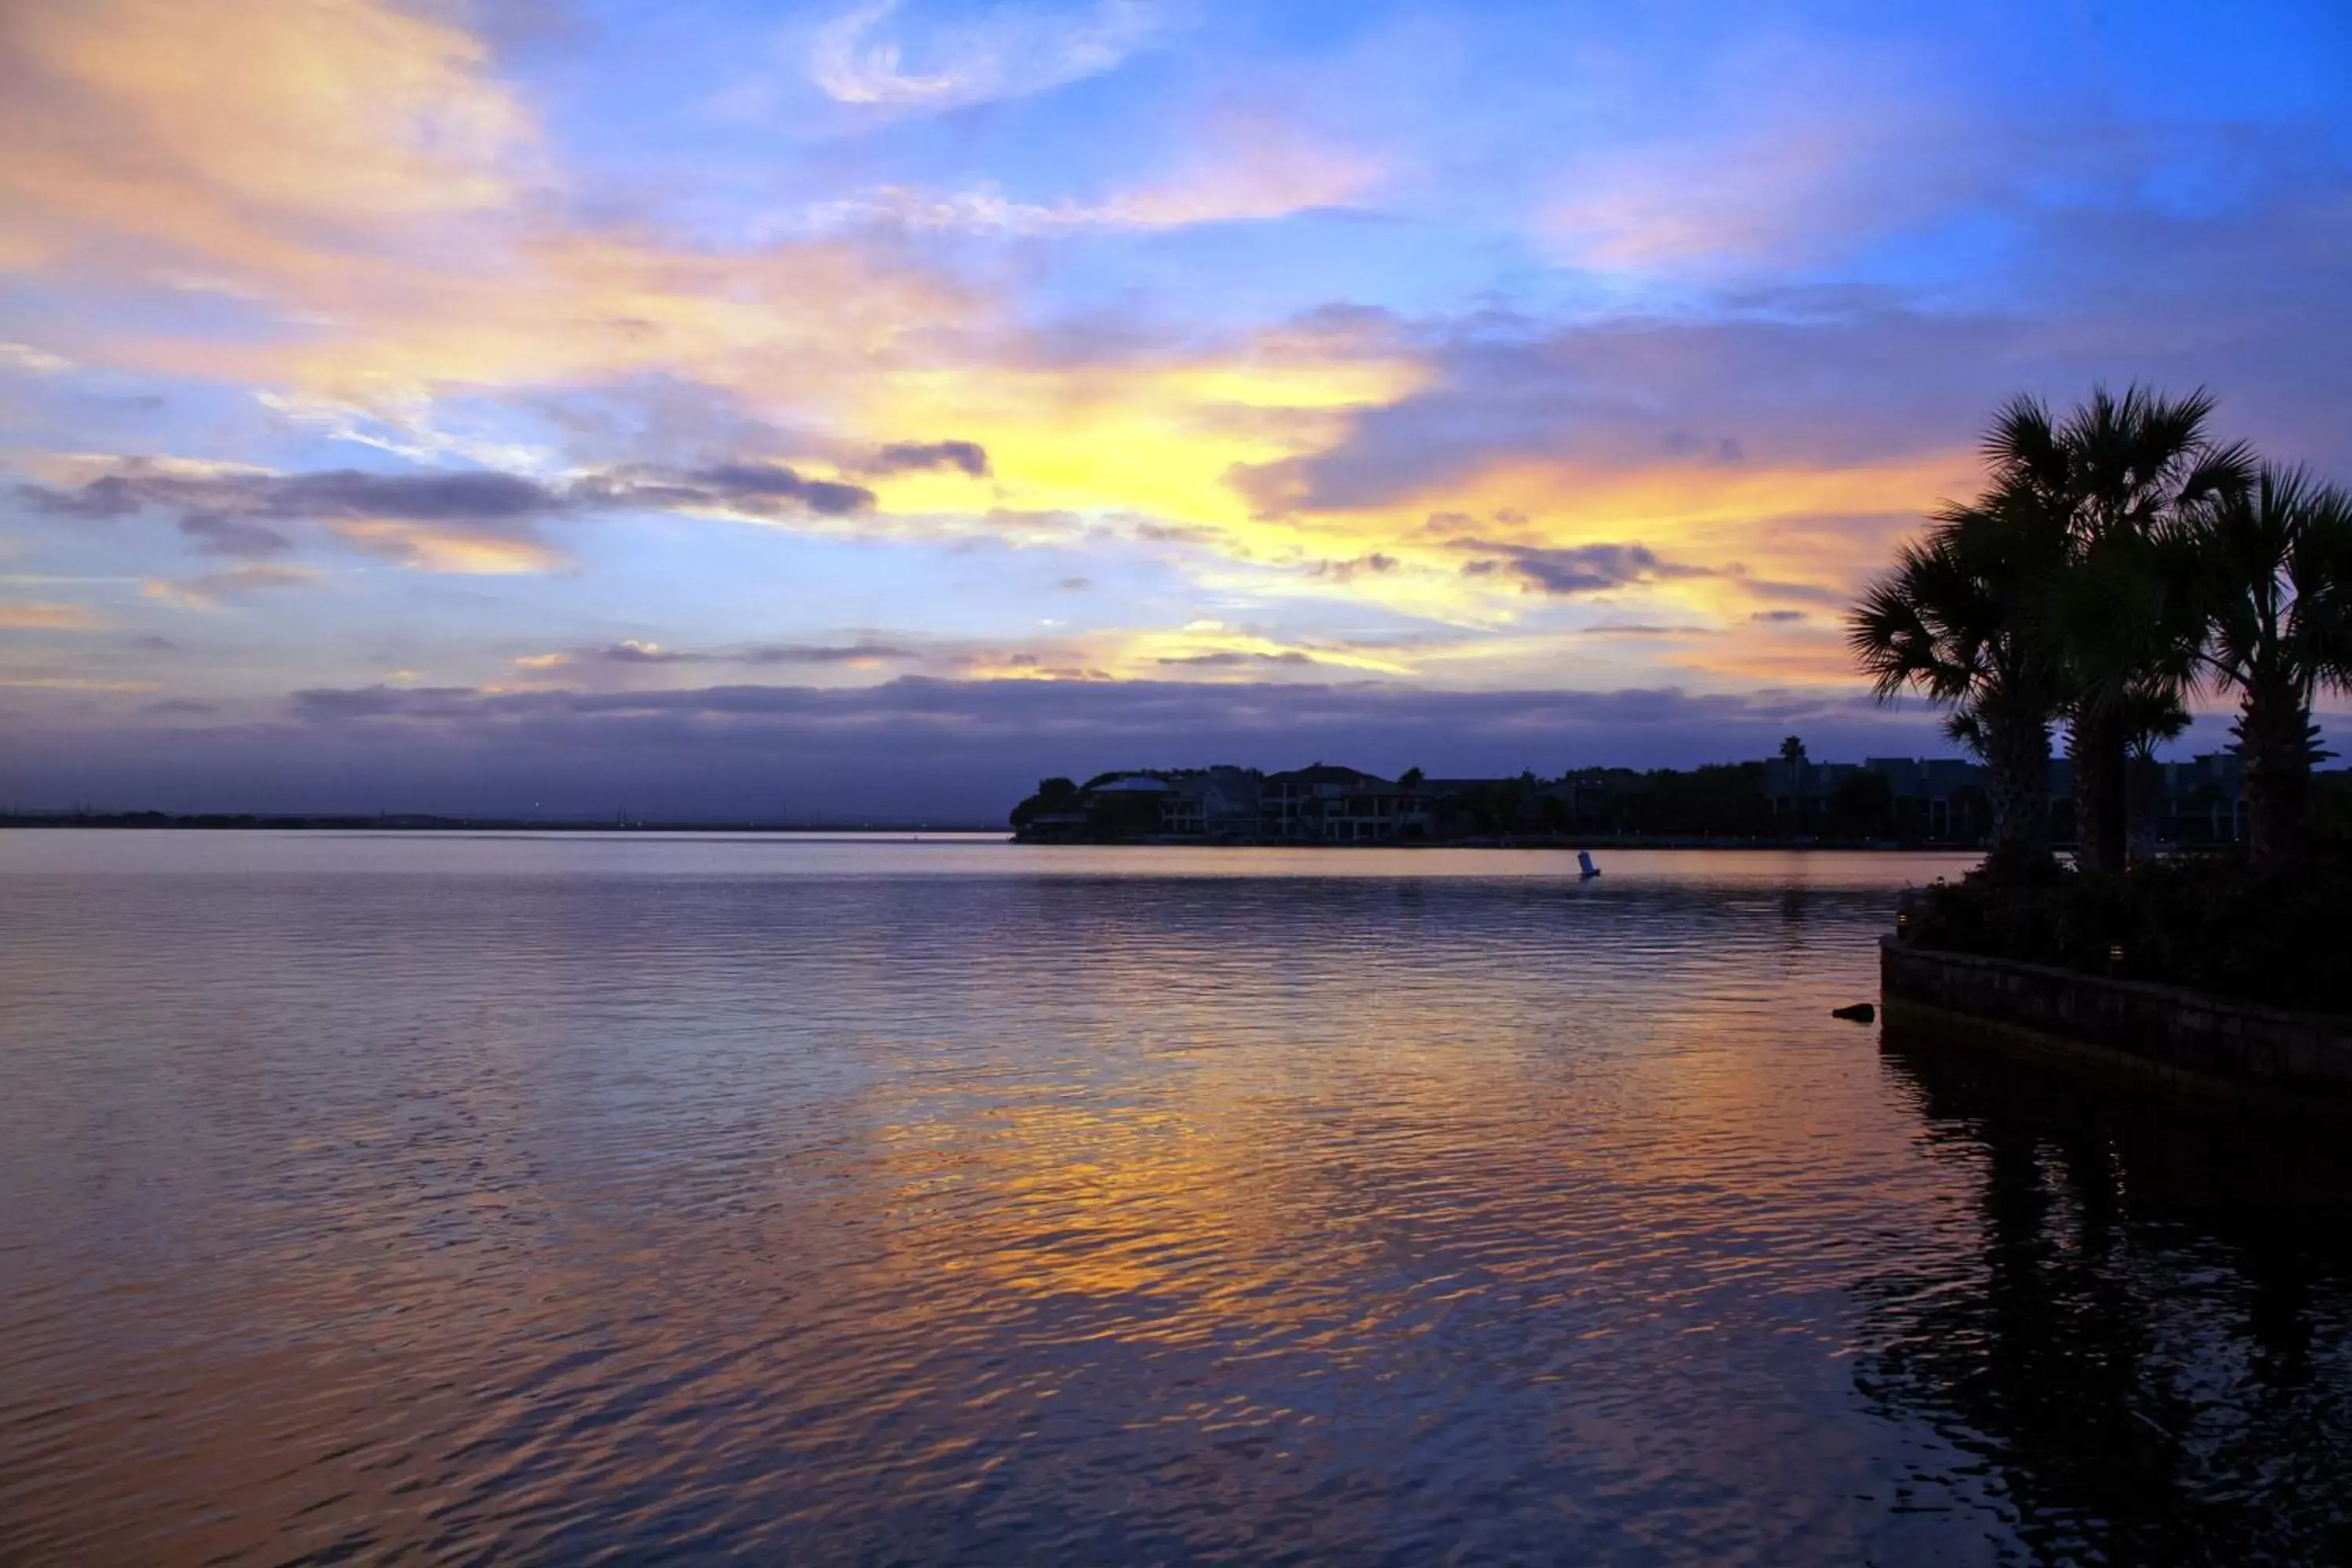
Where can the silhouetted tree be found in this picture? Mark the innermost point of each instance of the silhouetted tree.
(2277, 559)
(1721, 800)
(1056, 795)
(1948, 622)
(2115, 480)
(2061, 592)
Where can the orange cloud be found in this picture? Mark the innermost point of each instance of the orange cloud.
(439, 547)
(353, 167)
(577, 306)
(214, 590)
(48, 618)
(1791, 656)
(247, 134)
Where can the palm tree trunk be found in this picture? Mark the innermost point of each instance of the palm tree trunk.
(2101, 820)
(2017, 788)
(2144, 806)
(2273, 737)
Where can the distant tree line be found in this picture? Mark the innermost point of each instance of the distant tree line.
(1716, 801)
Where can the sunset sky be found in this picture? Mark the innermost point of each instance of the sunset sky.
(570, 405)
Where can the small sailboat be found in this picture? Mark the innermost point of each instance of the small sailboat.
(1585, 869)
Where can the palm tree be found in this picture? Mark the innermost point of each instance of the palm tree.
(2110, 484)
(2121, 623)
(1948, 622)
(2277, 554)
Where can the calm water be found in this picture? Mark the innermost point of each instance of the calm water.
(568, 1199)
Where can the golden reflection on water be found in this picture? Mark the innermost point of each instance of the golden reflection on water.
(696, 1200)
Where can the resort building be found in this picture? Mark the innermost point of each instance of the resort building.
(2204, 799)
(1797, 794)
(1910, 800)
(1328, 804)
(1935, 797)
(1216, 805)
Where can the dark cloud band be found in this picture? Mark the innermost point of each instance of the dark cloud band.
(1576, 569)
(236, 513)
(904, 747)
(902, 457)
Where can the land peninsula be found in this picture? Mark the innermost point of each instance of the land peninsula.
(1788, 799)
(2122, 561)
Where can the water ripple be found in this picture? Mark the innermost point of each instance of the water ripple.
(639, 1200)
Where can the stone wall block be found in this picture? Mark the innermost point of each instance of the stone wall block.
(2167, 1029)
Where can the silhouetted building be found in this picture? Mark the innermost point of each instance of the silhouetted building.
(1916, 800)
(1797, 794)
(1215, 805)
(1329, 805)
(2204, 799)
(1939, 798)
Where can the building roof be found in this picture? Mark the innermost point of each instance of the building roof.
(1326, 773)
(1231, 784)
(1133, 783)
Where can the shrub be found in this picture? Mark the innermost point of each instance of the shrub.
(2213, 923)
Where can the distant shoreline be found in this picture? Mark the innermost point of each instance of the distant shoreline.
(415, 823)
(412, 822)
(1559, 844)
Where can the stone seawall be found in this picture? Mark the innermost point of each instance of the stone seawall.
(2165, 1029)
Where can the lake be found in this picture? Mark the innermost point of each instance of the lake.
(677, 1199)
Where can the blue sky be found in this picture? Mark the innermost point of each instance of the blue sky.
(466, 405)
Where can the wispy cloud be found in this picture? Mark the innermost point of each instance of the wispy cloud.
(214, 590)
(453, 548)
(476, 521)
(467, 521)
(861, 654)
(48, 618)
(1265, 176)
(215, 534)
(865, 653)
(31, 361)
(630, 651)
(73, 683)
(1237, 659)
(857, 59)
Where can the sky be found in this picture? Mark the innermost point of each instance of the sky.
(864, 409)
